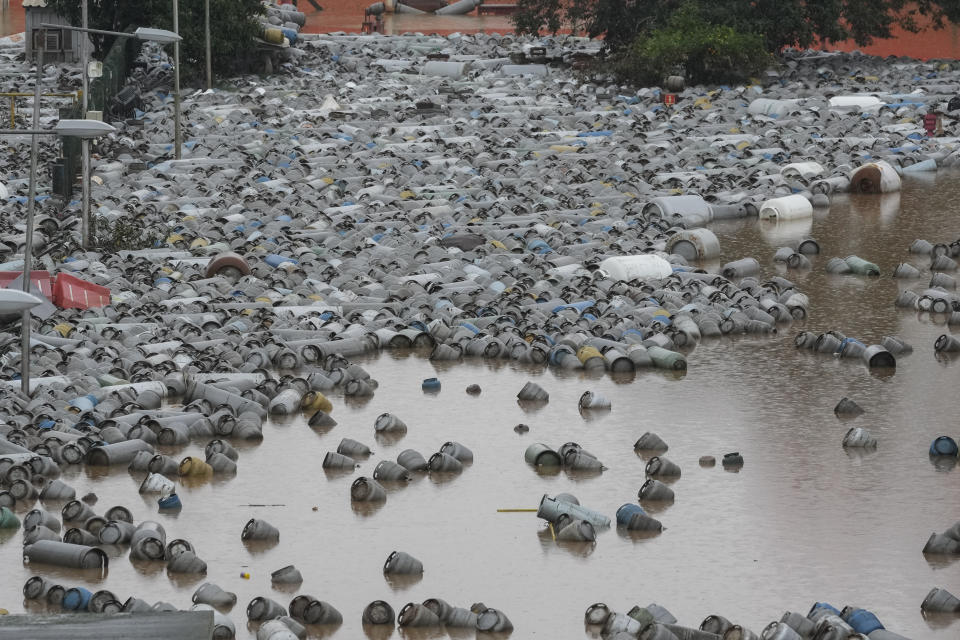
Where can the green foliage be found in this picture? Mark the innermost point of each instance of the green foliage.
(123, 234)
(781, 23)
(233, 25)
(692, 47)
(617, 21)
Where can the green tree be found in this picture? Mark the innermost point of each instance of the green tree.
(233, 26)
(688, 44)
(779, 22)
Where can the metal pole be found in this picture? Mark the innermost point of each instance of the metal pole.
(206, 29)
(28, 245)
(85, 144)
(176, 83)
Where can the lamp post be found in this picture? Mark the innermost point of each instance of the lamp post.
(176, 82)
(153, 35)
(206, 35)
(80, 128)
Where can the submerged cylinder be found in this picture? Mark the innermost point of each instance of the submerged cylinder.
(938, 600)
(66, 555)
(211, 594)
(655, 491)
(650, 442)
(261, 608)
(402, 563)
(309, 610)
(378, 612)
(493, 621)
(366, 489)
(259, 530)
(412, 460)
(660, 466)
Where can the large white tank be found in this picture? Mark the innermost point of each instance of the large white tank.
(638, 267)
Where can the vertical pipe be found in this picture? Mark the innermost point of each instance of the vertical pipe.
(85, 143)
(28, 245)
(176, 82)
(206, 33)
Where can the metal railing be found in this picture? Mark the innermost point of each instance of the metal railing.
(76, 96)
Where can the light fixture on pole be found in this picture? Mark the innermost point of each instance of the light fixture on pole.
(152, 35)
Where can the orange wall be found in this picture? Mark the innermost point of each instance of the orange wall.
(943, 43)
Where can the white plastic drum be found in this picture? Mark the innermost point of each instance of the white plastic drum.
(786, 208)
(805, 170)
(639, 267)
(875, 177)
(774, 108)
(444, 68)
(863, 103)
(694, 244)
(691, 211)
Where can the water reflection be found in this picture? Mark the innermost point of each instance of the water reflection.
(531, 406)
(860, 454)
(186, 581)
(258, 547)
(334, 474)
(366, 509)
(937, 621)
(943, 464)
(378, 631)
(400, 582)
(781, 233)
(148, 568)
(389, 438)
(637, 536)
(656, 506)
(421, 633)
(882, 209)
(578, 549)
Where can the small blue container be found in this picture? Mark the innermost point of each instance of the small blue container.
(84, 403)
(76, 599)
(944, 446)
(275, 260)
(863, 621)
(824, 605)
(626, 512)
(170, 502)
(539, 246)
(430, 384)
(470, 327)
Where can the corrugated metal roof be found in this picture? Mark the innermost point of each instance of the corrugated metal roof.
(35, 3)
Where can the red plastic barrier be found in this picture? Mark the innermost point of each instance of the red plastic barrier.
(41, 279)
(70, 292)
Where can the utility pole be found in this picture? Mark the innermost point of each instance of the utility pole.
(31, 205)
(85, 143)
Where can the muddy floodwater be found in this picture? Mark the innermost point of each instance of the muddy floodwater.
(802, 521)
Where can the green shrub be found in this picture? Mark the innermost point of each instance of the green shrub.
(123, 234)
(690, 46)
